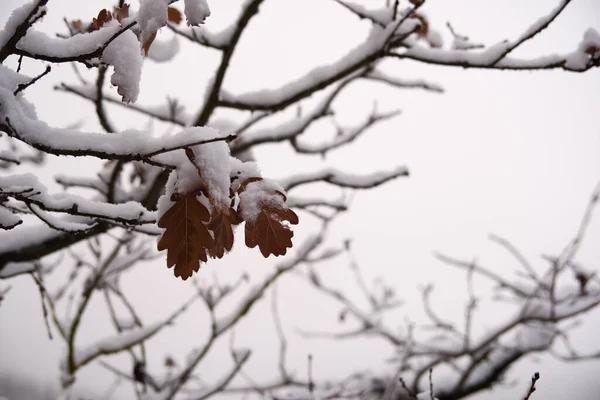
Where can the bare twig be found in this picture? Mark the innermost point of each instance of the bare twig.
(534, 379)
(24, 86)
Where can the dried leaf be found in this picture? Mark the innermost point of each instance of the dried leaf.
(221, 223)
(103, 17)
(424, 28)
(169, 362)
(186, 238)
(174, 15)
(77, 26)
(270, 232)
(121, 13)
(591, 49)
(148, 43)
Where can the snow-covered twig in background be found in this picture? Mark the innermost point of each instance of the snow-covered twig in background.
(343, 179)
(18, 24)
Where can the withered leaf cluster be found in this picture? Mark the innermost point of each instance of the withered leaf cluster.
(120, 13)
(193, 234)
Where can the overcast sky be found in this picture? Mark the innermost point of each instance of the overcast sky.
(511, 153)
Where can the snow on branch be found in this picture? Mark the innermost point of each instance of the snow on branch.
(372, 49)
(171, 111)
(18, 24)
(343, 136)
(381, 16)
(20, 268)
(286, 130)
(77, 357)
(292, 128)
(339, 204)
(115, 343)
(28, 189)
(379, 76)
(129, 145)
(535, 28)
(8, 220)
(217, 40)
(81, 48)
(343, 179)
(586, 56)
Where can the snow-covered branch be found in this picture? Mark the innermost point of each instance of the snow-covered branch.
(372, 49)
(171, 111)
(127, 146)
(343, 179)
(18, 24)
(379, 76)
(343, 136)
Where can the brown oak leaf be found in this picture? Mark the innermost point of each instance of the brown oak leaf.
(174, 15)
(269, 232)
(103, 17)
(424, 28)
(77, 26)
(221, 223)
(591, 50)
(121, 13)
(186, 239)
(148, 43)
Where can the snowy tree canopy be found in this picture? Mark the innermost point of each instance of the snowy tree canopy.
(180, 194)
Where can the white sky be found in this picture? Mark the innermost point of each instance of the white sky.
(513, 153)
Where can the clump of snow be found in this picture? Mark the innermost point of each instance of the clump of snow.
(124, 54)
(38, 134)
(196, 11)
(219, 39)
(434, 38)
(8, 220)
(152, 16)
(242, 171)
(210, 170)
(213, 161)
(165, 202)
(257, 196)
(64, 202)
(11, 79)
(589, 47)
(164, 50)
(464, 43)
(188, 180)
(17, 17)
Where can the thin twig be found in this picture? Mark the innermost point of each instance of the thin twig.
(24, 86)
(40, 284)
(534, 379)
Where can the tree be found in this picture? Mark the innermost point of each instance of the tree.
(148, 184)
